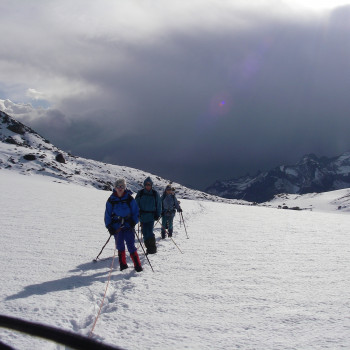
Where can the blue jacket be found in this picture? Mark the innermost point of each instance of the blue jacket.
(119, 212)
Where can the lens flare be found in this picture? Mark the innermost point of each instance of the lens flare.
(221, 104)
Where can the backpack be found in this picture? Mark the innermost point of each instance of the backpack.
(154, 194)
(128, 201)
(169, 211)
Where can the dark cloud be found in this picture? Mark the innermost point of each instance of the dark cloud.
(202, 102)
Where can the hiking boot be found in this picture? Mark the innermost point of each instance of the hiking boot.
(170, 234)
(150, 244)
(136, 260)
(163, 233)
(122, 260)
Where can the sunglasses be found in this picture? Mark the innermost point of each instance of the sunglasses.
(121, 187)
(148, 185)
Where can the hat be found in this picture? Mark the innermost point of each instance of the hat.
(168, 187)
(120, 182)
(148, 180)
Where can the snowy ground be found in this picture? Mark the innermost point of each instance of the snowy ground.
(249, 277)
(338, 200)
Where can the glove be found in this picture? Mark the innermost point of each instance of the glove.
(111, 230)
(180, 210)
(156, 217)
(132, 223)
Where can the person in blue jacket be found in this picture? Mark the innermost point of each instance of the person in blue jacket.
(170, 205)
(121, 216)
(150, 206)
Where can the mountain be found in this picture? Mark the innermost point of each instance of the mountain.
(310, 174)
(25, 151)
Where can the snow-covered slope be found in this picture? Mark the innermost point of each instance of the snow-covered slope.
(24, 151)
(327, 201)
(249, 277)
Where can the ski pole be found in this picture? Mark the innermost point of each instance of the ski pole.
(156, 223)
(116, 232)
(143, 249)
(171, 238)
(95, 260)
(176, 245)
(184, 224)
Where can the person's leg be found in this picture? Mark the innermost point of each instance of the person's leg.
(164, 221)
(119, 239)
(130, 243)
(170, 225)
(148, 237)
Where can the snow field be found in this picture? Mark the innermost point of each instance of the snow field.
(248, 278)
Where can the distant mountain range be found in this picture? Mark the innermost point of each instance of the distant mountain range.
(25, 151)
(310, 174)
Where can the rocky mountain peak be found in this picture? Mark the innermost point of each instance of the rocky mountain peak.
(310, 174)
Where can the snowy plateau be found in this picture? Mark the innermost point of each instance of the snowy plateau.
(248, 277)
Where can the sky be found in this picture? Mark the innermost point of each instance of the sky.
(191, 91)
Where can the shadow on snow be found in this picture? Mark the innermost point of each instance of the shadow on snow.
(74, 281)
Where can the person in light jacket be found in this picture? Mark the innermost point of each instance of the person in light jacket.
(170, 205)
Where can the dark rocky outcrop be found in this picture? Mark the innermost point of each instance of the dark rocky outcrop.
(29, 157)
(60, 158)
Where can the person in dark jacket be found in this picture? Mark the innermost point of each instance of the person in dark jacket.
(170, 205)
(121, 216)
(149, 203)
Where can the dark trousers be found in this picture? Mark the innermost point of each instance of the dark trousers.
(128, 236)
(147, 230)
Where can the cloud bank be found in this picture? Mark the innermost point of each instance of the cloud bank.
(192, 92)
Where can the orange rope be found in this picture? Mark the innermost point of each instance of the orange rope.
(103, 299)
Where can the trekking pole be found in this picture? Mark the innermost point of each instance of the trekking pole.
(143, 249)
(116, 232)
(95, 260)
(176, 245)
(171, 238)
(156, 223)
(184, 224)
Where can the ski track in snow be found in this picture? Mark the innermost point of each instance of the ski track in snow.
(248, 278)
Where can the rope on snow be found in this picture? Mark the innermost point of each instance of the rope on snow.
(104, 296)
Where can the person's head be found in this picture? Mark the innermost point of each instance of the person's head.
(120, 186)
(148, 183)
(168, 189)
